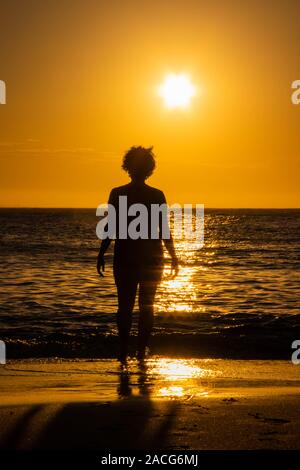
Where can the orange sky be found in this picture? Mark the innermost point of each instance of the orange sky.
(81, 80)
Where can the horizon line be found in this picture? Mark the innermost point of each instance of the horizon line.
(94, 208)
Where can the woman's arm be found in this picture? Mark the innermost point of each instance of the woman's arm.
(104, 244)
(100, 260)
(168, 240)
(169, 244)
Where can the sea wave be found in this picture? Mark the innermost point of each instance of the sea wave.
(238, 296)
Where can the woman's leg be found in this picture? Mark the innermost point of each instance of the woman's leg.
(126, 283)
(147, 289)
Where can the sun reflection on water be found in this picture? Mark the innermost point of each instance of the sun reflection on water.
(182, 293)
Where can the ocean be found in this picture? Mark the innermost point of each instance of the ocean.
(236, 297)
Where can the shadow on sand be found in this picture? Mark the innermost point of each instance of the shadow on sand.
(135, 421)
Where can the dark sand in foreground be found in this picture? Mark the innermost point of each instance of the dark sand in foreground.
(171, 404)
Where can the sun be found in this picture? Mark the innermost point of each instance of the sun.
(177, 91)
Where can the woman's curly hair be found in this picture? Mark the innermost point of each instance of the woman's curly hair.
(139, 162)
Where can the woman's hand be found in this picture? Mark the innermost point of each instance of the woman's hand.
(174, 266)
(100, 265)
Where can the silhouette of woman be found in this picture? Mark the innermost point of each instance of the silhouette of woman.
(138, 263)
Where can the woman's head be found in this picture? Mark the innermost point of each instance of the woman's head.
(139, 162)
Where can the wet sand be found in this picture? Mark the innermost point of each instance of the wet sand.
(168, 404)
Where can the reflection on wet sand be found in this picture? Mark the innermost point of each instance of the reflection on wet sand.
(159, 378)
(169, 378)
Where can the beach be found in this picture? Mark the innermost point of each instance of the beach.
(220, 375)
(166, 404)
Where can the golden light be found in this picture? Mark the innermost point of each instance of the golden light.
(177, 369)
(179, 378)
(182, 291)
(177, 91)
(171, 392)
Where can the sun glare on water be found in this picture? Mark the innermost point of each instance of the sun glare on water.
(177, 91)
